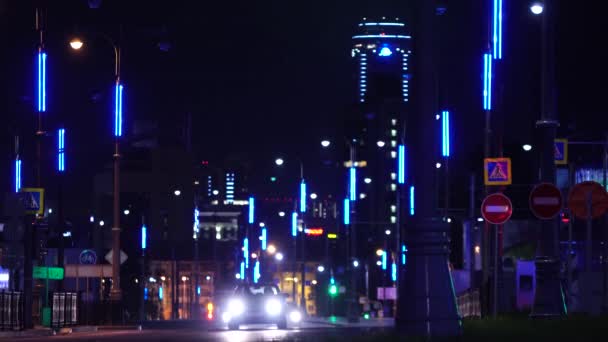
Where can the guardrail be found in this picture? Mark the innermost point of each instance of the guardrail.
(64, 309)
(11, 310)
(469, 304)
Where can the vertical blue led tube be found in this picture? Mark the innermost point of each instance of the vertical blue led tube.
(160, 293)
(403, 257)
(242, 273)
(412, 201)
(346, 211)
(118, 110)
(353, 183)
(401, 165)
(246, 251)
(61, 150)
(487, 81)
(41, 81)
(294, 224)
(251, 210)
(144, 237)
(394, 271)
(256, 272)
(384, 260)
(303, 196)
(445, 133)
(17, 175)
(264, 238)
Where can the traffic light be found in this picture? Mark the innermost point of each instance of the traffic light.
(333, 290)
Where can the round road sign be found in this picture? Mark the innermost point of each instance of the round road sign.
(545, 201)
(578, 199)
(496, 208)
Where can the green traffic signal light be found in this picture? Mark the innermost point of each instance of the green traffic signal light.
(333, 290)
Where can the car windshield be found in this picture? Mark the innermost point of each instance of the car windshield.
(262, 290)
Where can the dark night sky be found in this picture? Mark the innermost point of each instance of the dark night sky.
(268, 77)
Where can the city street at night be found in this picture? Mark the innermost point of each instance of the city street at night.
(303, 170)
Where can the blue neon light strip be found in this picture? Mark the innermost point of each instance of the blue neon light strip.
(41, 81)
(394, 272)
(397, 36)
(294, 224)
(353, 184)
(145, 293)
(17, 175)
(303, 196)
(160, 293)
(61, 150)
(242, 273)
(401, 165)
(118, 110)
(487, 81)
(198, 290)
(144, 237)
(403, 256)
(251, 209)
(381, 24)
(196, 223)
(346, 211)
(264, 237)
(384, 261)
(445, 133)
(412, 203)
(256, 272)
(246, 251)
(497, 29)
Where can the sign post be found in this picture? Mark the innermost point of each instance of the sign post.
(33, 199)
(561, 151)
(496, 209)
(545, 201)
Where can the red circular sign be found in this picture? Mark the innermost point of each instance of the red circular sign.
(496, 208)
(545, 201)
(578, 199)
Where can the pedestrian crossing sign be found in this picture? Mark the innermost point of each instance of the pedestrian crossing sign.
(33, 199)
(497, 171)
(561, 151)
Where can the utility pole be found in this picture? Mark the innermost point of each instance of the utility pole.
(426, 301)
(548, 300)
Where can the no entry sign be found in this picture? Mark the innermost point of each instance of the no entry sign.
(496, 208)
(545, 201)
(580, 195)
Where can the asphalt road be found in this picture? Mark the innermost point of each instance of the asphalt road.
(253, 333)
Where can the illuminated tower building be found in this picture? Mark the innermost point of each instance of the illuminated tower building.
(381, 51)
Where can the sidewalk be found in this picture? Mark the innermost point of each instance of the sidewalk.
(41, 331)
(343, 322)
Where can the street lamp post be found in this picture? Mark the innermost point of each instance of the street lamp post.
(115, 291)
(548, 300)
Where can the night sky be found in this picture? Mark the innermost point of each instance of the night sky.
(262, 78)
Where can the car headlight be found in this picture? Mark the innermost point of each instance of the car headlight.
(226, 317)
(273, 307)
(295, 316)
(236, 307)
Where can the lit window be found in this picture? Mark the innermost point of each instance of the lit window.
(394, 122)
(393, 132)
(393, 154)
(393, 219)
(393, 176)
(393, 187)
(393, 208)
(393, 143)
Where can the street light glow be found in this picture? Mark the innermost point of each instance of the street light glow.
(438, 165)
(320, 268)
(527, 147)
(279, 256)
(101, 223)
(177, 192)
(126, 212)
(271, 249)
(279, 161)
(325, 143)
(537, 8)
(380, 143)
(76, 43)
(281, 213)
(367, 180)
(313, 196)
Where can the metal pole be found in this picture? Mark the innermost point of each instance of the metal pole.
(115, 291)
(605, 249)
(548, 300)
(353, 314)
(142, 309)
(495, 280)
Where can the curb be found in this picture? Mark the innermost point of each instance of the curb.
(27, 333)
